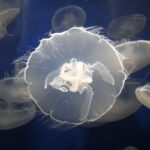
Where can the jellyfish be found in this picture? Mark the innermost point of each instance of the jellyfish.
(126, 26)
(17, 89)
(6, 17)
(136, 53)
(16, 108)
(67, 17)
(143, 94)
(71, 77)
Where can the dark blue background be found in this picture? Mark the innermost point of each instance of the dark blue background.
(34, 23)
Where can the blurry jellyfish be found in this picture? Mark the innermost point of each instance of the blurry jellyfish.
(130, 148)
(143, 95)
(137, 54)
(6, 17)
(67, 17)
(126, 26)
(13, 115)
(16, 108)
(16, 87)
(71, 76)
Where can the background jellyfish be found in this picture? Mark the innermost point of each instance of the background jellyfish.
(137, 54)
(71, 77)
(8, 12)
(143, 95)
(16, 108)
(67, 17)
(126, 26)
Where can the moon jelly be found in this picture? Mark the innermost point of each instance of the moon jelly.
(75, 76)
(126, 26)
(143, 95)
(17, 88)
(16, 108)
(137, 54)
(6, 17)
(67, 17)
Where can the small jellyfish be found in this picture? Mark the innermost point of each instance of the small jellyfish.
(137, 54)
(16, 108)
(71, 77)
(143, 95)
(68, 17)
(126, 26)
(6, 17)
(125, 105)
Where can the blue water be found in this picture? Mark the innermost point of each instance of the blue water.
(33, 24)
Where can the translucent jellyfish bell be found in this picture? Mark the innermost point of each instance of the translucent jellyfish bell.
(71, 76)
(143, 95)
(126, 26)
(17, 89)
(67, 17)
(16, 108)
(136, 54)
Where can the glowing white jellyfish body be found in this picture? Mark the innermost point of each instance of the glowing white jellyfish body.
(126, 26)
(16, 108)
(74, 76)
(143, 95)
(67, 17)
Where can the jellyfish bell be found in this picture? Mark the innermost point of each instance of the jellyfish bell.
(13, 115)
(16, 107)
(67, 17)
(17, 89)
(143, 95)
(6, 17)
(71, 77)
(136, 54)
(126, 27)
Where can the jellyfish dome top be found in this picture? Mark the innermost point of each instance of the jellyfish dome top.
(75, 76)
